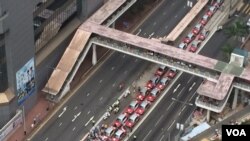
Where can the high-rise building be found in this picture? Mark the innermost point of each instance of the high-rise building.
(30, 45)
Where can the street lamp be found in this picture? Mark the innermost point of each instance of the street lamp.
(174, 99)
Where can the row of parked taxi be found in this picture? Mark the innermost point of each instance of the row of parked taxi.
(145, 96)
(198, 34)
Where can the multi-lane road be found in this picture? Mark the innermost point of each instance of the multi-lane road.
(100, 91)
(163, 126)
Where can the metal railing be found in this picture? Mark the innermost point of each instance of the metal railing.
(157, 58)
(52, 25)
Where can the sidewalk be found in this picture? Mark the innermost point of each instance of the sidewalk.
(37, 115)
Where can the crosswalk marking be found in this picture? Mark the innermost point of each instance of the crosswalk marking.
(245, 8)
(248, 10)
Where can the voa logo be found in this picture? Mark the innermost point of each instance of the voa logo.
(236, 132)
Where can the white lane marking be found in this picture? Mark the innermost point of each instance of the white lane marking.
(171, 125)
(192, 86)
(100, 81)
(138, 32)
(88, 94)
(190, 79)
(192, 97)
(124, 56)
(88, 112)
(86, 124)
(164, 13)
(180, 92)
(166, 27)
(101, 98)
(60, 124)
(147, 135)
(182, 110)
(113, 85)
(151, 35)
(75, 107)
(159, 120)
(75, 116)
(154, 23)
(64, 110)
(136, 60)
(74, 129)
(175, 16)
(112, 68)
(176, 88)
(162, 137)
(154, 105)
(184, 6)
(170, 106)
(46, 139)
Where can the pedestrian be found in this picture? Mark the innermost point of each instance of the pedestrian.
(93, 122)
(139, 89)
(134, 137)
(47, 109)
(34, 120)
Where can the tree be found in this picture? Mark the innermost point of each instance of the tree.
(227, 50)
(237, 29)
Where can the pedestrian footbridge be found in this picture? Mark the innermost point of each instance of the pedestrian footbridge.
(94, 32)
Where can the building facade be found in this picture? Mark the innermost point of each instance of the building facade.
(26, 28)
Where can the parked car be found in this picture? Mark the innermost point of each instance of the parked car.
(142, 94)
(152, 82)
(204, 20)
(182, 45)
(195, 45)
(132, 120)
(110, 131)
(142, 108)
(132, 107)
(119, 135)
(161, 70)
(163, 83)
(196, 30)
(189, 38)
(153, 95)
(218, 3)
(211, 11)
(121, 119)
(171, 73)
(203, 35)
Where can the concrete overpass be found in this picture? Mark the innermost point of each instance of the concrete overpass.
(92, 33)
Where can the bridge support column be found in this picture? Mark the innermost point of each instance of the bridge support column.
(113, 25)
(208, 115)
(94, 57)
(242, 95)
(236, 93)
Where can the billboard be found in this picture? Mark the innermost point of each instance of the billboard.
(25, 79)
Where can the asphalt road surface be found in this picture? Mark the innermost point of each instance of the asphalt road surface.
(100, 91)
(163, 126)
(97, 94)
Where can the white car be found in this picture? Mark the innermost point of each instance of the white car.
(248, 22)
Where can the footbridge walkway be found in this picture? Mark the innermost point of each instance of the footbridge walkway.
(95, 32)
